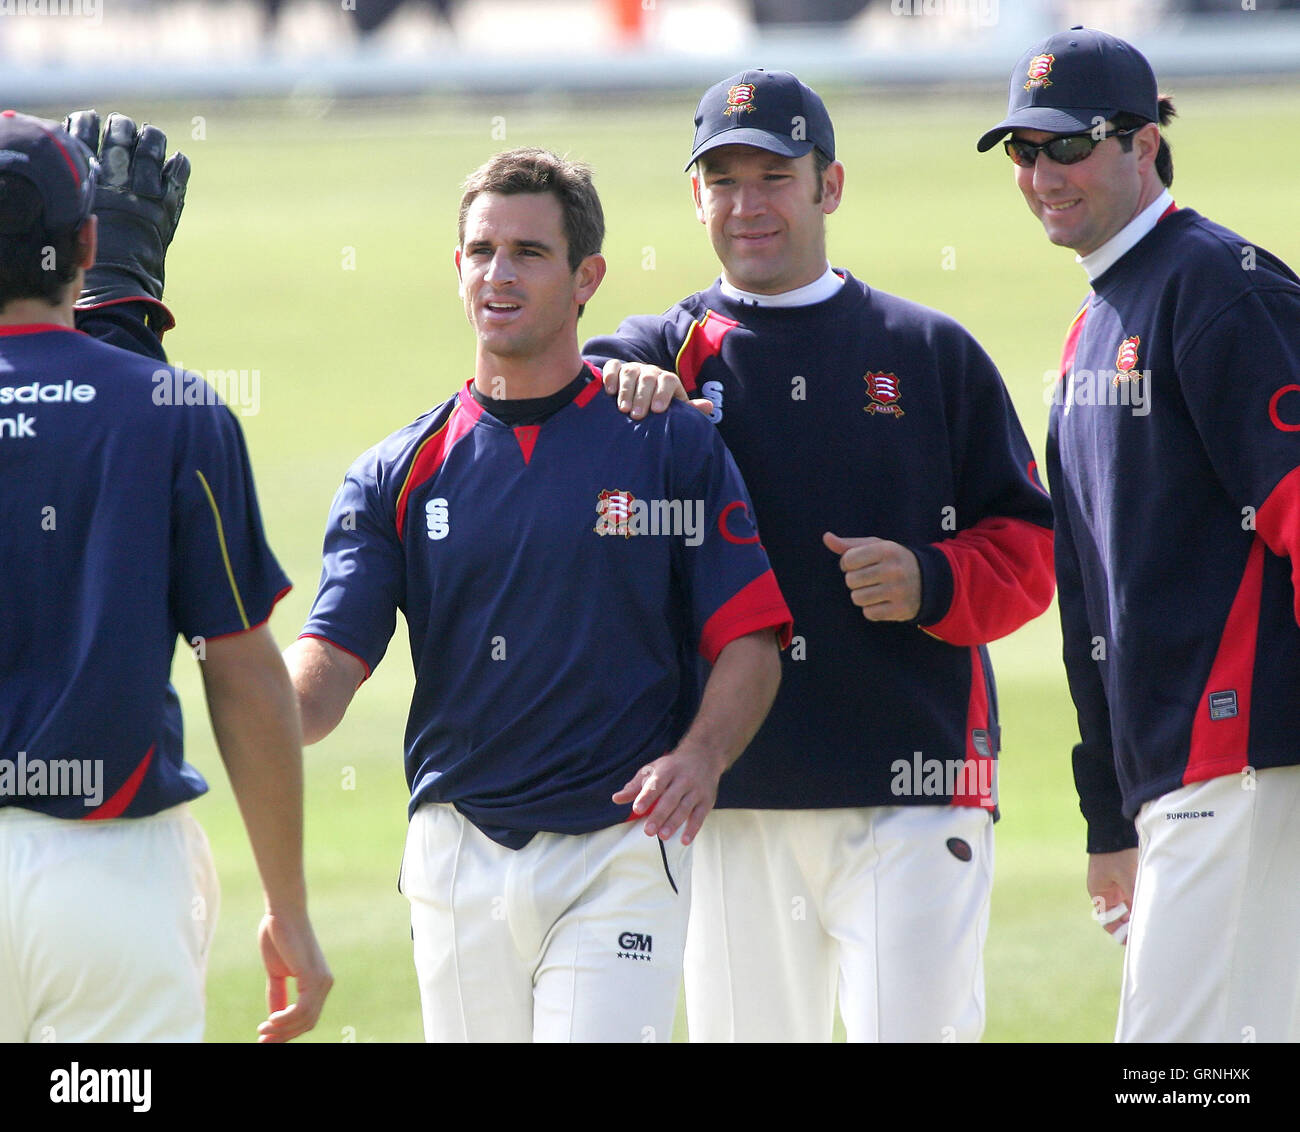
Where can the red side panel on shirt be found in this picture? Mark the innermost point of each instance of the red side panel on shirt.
(1219, 745)
(1278, 524)
(430, 455)
(974, 787)
(115, 806)
(758, 606)
(702, 342)
(1002, 576)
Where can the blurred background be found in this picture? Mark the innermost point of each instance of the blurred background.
(345, 48)
(329, 140)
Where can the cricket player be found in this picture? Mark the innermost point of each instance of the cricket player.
(852, 853)
(125, 520)
(558, 565)
(1174, 459)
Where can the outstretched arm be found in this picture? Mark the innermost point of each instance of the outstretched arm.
(255, 721)
(682, 785)
(138, 201)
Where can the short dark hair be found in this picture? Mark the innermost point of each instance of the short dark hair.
(533, 170)
(821, 162)
(34, 262)
(1164, 155)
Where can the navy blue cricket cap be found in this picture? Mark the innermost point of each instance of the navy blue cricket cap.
(772, 110)
(1070, 80)
(59, 165)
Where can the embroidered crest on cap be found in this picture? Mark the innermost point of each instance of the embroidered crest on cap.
(740, 99)
(882, 388)
(1040, 66)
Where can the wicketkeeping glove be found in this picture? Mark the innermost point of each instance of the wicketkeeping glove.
(138, 200)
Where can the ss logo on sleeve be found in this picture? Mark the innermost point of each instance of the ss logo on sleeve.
(713, 391)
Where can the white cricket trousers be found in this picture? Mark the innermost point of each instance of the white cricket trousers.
(1213, 952)
(104, 927)
(886, 906)
(573, 938)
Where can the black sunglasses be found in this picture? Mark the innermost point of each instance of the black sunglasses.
(1069, 149)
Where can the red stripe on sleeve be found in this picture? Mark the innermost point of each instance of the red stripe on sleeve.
(702, 342)
(1002, 576)
(1220, 746)
(759, 605)
(116, 805)
(974, 787)
(1278, 523)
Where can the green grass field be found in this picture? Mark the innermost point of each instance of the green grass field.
(257, 280)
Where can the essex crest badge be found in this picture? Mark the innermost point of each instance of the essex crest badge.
(1040, 66)
(740, 99)
(882, 388)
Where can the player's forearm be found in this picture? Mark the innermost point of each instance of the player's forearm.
(737, 698)
(255, 720)
(324, 680)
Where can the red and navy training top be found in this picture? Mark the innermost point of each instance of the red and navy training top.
(128, 517)
(868, 415)
(1174, 460)
(558, 581)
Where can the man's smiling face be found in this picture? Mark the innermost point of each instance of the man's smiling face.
(1083, 205)
(765, 216)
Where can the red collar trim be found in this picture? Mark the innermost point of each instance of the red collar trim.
(467, 402)
(34, 328)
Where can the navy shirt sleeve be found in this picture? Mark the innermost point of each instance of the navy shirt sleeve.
(1238, 372)
(640, 338)
(226, 579)
(363, 571)
(732, 590)
(1100, 798)
(995, 573)
(125, 325)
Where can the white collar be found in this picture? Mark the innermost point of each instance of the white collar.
(818, 291)
(1105, 257)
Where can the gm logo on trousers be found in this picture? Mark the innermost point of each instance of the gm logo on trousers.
(634, 945)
